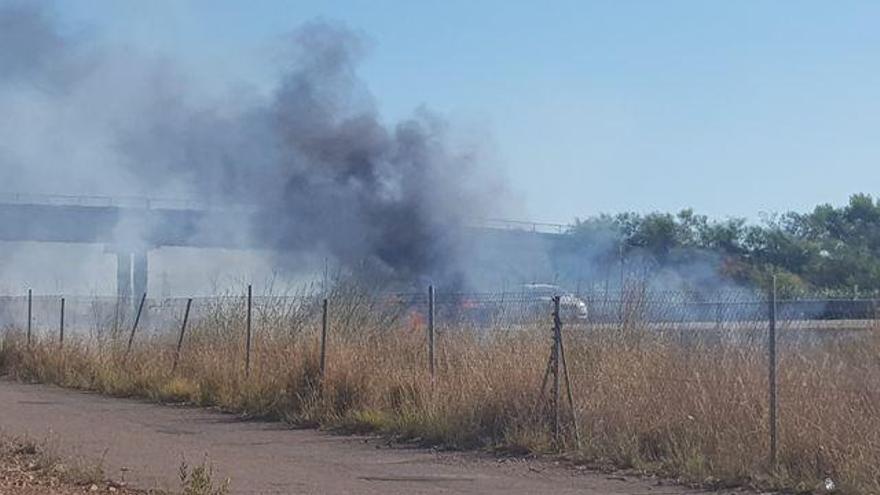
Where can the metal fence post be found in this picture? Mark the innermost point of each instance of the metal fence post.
(30, 312)
(323, 362)
(180, 338)
(134, 326)
(61, 326)
(774, 420)
(558, 331)
(875, 307)
(431, 331)
(116, 319)
(555, 368)
(247, 345)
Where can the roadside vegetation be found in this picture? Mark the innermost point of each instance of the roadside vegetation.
(833, 250)
(667, 402)
(31, 467)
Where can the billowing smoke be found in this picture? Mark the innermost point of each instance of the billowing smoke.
(314, 159)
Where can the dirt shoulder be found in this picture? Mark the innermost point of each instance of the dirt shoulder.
(144, 444)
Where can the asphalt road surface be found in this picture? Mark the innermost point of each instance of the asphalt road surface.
(145, 444)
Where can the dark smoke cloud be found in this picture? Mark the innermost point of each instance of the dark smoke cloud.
(24, 26)
(314, 157)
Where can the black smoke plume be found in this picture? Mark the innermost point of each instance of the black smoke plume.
(314, 159)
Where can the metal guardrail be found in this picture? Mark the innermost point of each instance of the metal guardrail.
(133, 202)
(522, 225)
(101, 201)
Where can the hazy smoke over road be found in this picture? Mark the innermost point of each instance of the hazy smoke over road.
(80, 116)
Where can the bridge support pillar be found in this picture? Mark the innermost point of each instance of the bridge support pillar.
(123, 276)
(131, 276)
(139, 273)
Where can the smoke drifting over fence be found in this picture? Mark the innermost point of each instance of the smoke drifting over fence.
(326, 174)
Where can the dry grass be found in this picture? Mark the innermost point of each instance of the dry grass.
(647, 400)
(28, 466)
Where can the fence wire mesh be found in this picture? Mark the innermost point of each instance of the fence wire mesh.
(822, 319)
(668, 360)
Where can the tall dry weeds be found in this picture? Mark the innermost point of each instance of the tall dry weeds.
(665, 400)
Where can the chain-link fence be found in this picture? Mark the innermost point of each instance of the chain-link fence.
(803, 371)
(654, 310)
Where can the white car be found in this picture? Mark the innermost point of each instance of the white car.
(570, 305)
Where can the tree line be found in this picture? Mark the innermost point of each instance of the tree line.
(834, 251)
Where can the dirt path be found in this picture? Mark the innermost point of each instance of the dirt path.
(145, 443)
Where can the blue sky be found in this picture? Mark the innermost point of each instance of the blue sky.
(732, 108)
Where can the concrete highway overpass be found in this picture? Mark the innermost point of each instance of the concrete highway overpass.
(130, 227)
